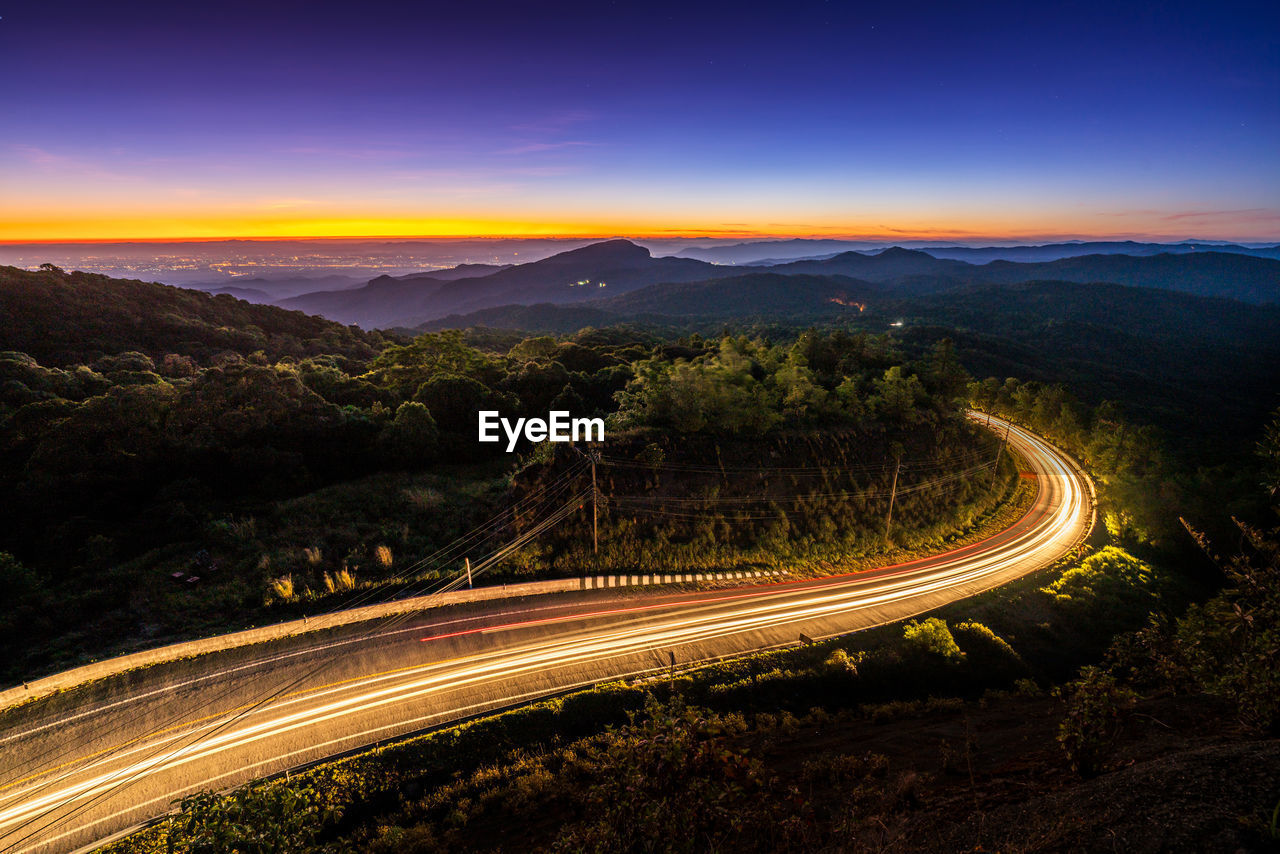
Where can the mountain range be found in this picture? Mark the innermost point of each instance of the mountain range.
(768, 252)
(600, 273)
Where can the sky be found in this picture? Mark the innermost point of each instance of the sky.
(944, 121)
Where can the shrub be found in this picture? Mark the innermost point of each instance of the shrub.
(931, 637)
(1112, 580)
(1096, 711)
(265, 819)
(676, 780)
(987, 654)
(1230, 645)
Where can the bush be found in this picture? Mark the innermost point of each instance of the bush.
(987, 654)
(675, 780)
(266, 819)
(1111, 581)
(1230, 645)
(1226, 647)
(1096, 710)
(931, 637)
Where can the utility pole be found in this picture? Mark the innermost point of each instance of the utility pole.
(468, 562)
(594, 457)
(893, 494)
(1003, 440)
(595, 520)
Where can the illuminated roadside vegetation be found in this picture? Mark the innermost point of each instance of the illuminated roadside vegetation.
(747, 455)
(786, 750)
(772, 719)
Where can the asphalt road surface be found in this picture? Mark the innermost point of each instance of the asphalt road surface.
(83, 765)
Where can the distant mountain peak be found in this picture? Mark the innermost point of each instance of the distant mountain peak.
(606, 251)
(899, 252)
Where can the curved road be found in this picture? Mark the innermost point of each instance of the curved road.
(82, 765)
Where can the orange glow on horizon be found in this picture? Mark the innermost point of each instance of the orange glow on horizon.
(144, 229)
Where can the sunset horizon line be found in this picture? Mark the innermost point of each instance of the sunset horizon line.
(1070, 237)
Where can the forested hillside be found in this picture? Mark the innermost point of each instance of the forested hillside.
(161, 480)
(74, 318)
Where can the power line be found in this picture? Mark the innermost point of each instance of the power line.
(477, 535)
(441, 586)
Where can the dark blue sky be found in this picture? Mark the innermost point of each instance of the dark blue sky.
(151, 119)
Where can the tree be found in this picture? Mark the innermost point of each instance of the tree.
(895, 397)
(945, 377)
(412, 437)
(455, 402)
(404, 368)
(1269, 451)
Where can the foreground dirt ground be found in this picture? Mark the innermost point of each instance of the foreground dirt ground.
(989, 776)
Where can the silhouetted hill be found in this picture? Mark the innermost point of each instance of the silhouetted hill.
(580, 274)
(760, 296)
(1055, 251)
(770, 252)
(278, 287)
(1037, 307)
(1219, 274)
(1222, 274)
(389, 301)
(759, 252)
(246, 294)
(892, 263)
(754, 295)
(1153, 350)
(465, 271)
(1006, 309)
(386, 301)
(67, 318)
(605, 268)
(1150, 348)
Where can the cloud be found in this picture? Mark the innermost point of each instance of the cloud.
(555, 122)
(950, 232)
(353, 153)
(531, 147)
(1242, 213)
(66, 164)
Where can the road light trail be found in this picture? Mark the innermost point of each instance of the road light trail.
(389, 683)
